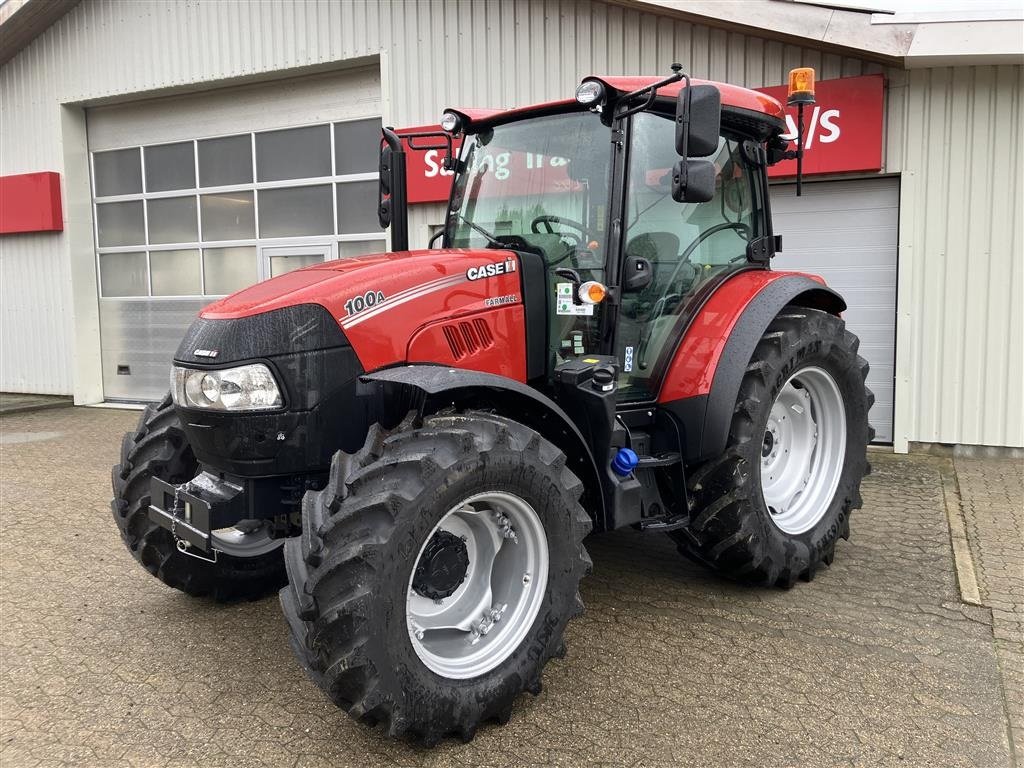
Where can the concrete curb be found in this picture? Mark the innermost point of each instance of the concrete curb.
(966, 572)
(8, 410)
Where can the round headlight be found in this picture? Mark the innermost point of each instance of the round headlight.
(211, 388)
(451, 122)
(590, 92)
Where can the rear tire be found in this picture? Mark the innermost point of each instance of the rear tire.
(732, 528)
(159, 448)
(352, 572)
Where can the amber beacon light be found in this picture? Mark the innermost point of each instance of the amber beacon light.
(801, 93)
(801, 86)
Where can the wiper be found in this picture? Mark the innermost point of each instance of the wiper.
(492, 239)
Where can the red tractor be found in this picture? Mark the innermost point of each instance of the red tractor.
(416, 443)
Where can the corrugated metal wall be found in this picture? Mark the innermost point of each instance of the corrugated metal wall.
(499, 53)
(35, 314)
(960, 338)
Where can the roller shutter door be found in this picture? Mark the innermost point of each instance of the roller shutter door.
(197, 196)
(847, 232)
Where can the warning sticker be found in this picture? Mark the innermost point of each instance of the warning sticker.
(564, 304)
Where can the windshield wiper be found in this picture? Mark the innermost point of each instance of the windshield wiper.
(492, 239)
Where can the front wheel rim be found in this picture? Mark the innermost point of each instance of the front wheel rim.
(803, 450)
(465, 630)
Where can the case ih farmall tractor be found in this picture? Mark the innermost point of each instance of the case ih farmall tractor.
(416, 443)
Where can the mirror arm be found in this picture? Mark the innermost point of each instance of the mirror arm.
(651, 91)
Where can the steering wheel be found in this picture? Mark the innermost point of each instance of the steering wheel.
(740, 227)
(548, 219)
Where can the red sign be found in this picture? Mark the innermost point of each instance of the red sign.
(842, 131)
(30, 202)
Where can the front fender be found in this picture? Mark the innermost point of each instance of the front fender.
(430, 388)
(703, 380)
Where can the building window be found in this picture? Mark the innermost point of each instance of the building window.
(188, 218)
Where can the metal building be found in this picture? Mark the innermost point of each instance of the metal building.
(176, 151)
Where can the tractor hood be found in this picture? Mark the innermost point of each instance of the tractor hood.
(380, 301)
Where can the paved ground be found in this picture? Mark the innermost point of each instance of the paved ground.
(877, 662)
(993, 509)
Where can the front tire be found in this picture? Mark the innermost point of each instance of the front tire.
(159, 448)
(392, 535)
(771, 508)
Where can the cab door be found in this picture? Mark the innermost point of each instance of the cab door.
(689, 247)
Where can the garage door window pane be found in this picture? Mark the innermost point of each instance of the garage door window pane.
(118, 172)
(298, 153)
(170, 166)
(120, 224)
(123, 274)
(360, 248)
(357, 146)
(172, 220)
(227, 270)
(175, 273)
(228, 216)
(279, 265)
(357, 207)
(296, 211)
(225, 161)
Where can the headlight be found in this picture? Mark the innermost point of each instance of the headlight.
(246, 388)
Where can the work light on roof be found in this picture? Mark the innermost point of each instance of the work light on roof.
(590, 92)
(451, 122)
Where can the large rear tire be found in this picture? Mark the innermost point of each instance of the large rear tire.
(384, 598)
(159, 448)
(771, 508)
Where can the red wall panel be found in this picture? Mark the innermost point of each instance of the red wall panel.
(30, 202)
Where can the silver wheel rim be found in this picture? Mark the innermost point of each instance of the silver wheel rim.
(481, 623)
(803, 450)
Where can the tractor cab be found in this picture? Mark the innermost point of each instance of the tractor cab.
(634, 200)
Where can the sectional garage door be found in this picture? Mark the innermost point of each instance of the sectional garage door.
(197, 196)
(846, 231)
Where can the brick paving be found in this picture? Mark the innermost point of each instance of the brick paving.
(875, 663)
(992, 500)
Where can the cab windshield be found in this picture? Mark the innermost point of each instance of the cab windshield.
(544, 180)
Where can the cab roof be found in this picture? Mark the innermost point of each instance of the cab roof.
(742, 108)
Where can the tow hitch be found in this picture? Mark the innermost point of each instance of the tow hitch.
(208, 515)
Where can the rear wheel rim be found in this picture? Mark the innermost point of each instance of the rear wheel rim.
(464, 628)
(803, 450)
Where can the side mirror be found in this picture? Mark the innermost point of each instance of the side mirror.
(384, 188)
(637, 273)
(698, 135)
(693, 181)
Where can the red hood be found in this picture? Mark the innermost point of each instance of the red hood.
(381, 301)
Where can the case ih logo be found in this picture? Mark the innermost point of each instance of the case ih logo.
(844, 134)
(491, 270)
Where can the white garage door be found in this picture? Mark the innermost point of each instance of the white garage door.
(847, 232)
(198, 196)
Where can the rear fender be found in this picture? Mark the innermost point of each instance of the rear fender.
(703, 379)
(431, 388)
